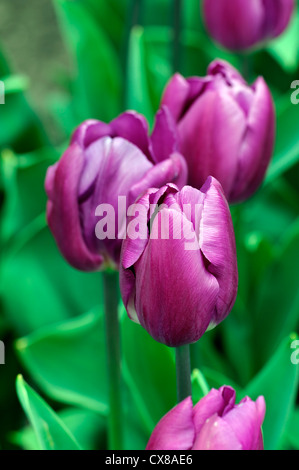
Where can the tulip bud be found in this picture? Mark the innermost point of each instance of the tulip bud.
(226, 128)
(178, 275)
(242, 24)
(104, 163)
(214, 423)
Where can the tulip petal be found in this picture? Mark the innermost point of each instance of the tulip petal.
(133, 247)
(173, 170)
(217, 242)
(175, 95)
(133, 127)
(50, 180)
(128, 290)
(164, 138)
(63, 211)
(233, 24)
(211, 134)
(277, 16)
(245, 420)
(116, 156)
(171, 278)
(228, 72)
(90, 131)
(257, 147)
(216, 434)
(175, 431)
(215, 402)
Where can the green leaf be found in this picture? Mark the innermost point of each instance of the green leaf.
(137, 93)
(158, 42)
(277, 310)
(97, 87)
(68, 361)
(51, 432)
(278, 382)
(293, 428)
(21, 172)
(200, 386)
(152, 372)
(63, 292)
(285, 49)
(286, 153)
(88, 428)
(15, 84)
(104, 11)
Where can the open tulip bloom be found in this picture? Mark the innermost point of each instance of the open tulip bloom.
(226, 128)
(242, 24)
(106, 162)
(178, 274)
(214, 423)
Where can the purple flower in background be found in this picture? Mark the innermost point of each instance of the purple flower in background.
(180, 277)
(102, 163)
(214, 423)
(226, 128)
(242, 24)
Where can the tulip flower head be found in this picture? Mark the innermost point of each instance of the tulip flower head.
(178, 275)
(103, 163)
(226, 128)
(214, 423)
(241, 24)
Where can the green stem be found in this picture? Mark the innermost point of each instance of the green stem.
(115, 419)
(177, 36)
(246, 66)
(183, 372)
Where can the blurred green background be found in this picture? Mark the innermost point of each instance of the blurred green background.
(64, 61)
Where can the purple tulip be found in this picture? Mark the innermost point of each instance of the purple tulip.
(226, 128)
(214, 423)
(242, 24)
(179, 276)
(102, 163)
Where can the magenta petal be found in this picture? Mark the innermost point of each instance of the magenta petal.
(217, 241)
(115, 157)
(257, 146)
(133, 247)
(175, 95)
(63, 212)
(133, 127)
(211, 134)
(173, 170)
(164, 138)
(90, 131)
(277, 16)
(128, 292)
(50, 180)
(216, 434)
(175, 430)
(215, 402)
(235, 24)
(164, 296)
(224, 68)
(245, 420)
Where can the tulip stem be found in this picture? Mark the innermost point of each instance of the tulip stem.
(183, 372)
(177, 35)
(246, 66)
(115, 419)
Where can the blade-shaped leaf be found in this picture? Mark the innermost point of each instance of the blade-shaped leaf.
(68, 361)
(51, 432)
(278, 382)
